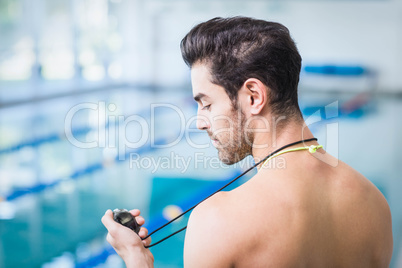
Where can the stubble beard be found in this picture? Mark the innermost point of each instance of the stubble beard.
(239, 146)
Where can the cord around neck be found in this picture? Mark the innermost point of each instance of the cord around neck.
(312, 149)
(226, 185)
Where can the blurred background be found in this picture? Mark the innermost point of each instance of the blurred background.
(81, 81)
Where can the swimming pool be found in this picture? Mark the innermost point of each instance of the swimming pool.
(56, 193)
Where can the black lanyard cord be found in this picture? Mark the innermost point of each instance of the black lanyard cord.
(226, 185)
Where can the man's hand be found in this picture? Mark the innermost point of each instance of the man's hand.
(127, 243)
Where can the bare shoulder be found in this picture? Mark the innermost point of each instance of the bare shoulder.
(232, 228)
(363, 214)
(356, 188)
(209, 233)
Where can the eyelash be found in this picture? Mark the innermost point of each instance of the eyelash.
(207, 107)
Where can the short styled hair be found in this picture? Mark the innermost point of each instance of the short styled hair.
(238, 48)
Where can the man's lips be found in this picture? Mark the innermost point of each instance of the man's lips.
(214, 140)
(212, 137)
(215, 143)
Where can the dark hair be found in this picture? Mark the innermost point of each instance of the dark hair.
(239, 48)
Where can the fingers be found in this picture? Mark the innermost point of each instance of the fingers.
(109, 239)
(107, 219)
(143, 233)
(115, 230)
(140, 220)
(111, 225)
(135, 212)
(147, 242)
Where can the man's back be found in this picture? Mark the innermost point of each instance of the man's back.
(308, 214)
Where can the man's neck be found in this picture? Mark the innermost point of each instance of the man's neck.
(267, 142)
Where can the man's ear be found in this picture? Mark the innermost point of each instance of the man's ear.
(256, 95)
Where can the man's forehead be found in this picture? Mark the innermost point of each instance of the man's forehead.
(200, 78)
(203, 88)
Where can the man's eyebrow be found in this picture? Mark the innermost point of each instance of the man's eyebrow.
(199, 96)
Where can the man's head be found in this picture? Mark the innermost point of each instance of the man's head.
(241, 60)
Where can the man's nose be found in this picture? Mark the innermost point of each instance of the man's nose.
(202, 122)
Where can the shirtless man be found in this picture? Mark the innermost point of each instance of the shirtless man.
(314, 212)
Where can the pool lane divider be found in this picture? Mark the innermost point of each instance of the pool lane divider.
(337, 70)
(45, 139)
(79, 131)
(39, 187)
(77, 174)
